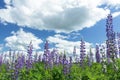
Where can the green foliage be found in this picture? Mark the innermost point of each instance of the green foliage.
(37, 72)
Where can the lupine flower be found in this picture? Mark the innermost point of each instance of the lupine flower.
(19, 63)
(47, 56)
(29, 61)
(30, 49)
(22, 61)
(97, 54)
(53, 53)
(65, 65)
(82, 52)
(64, 58)
(46, 51)
(111, 52)
(16, 70)
(50, 62)
(111, 42)
(28, 64)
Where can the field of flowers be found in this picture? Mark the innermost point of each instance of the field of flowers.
(54, 66)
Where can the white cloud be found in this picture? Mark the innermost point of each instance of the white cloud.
(7, 1)
(112, 3)
(61, 36)
(21, 39)
(62, 44)
(58, 15)
(116, 14)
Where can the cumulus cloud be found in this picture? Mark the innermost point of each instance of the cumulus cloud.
(112, 3)
(116, 14)
(66, 45)
(58, 15)
(21, 39)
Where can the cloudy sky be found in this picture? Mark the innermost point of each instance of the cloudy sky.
(62, 22)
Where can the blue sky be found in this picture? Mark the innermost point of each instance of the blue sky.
(62, 22)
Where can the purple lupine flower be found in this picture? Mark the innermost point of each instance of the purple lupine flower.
(45, 61)
(19, 63)
(50, 61)
(82, 53)
(64, 58)
(16, 70)
(111, 42)
(97, 54)
(28, 64)
(65, 64)
(66, 67)
(47, 56)
(30, 49)
(111, 47)
(29, 61)
(23, 61)
(53, 53)
(46, 50)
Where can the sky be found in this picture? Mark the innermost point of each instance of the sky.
(62, 22)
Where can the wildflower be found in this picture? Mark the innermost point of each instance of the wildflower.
(97, 54)
(82, 52)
